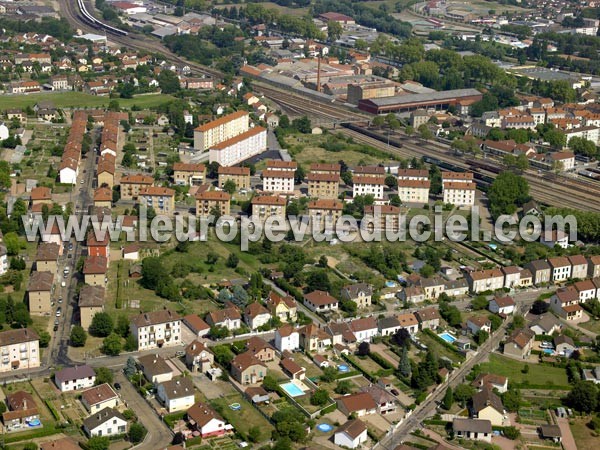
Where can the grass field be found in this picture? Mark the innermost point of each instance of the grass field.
(80, 99)
(271, 6)
(244, 419)
(537, 375)
(584, 437)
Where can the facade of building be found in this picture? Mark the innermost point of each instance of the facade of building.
(20, 349)
(239, 175)
(221, 129)
(156, 329)
(209, 202)
(239, 148)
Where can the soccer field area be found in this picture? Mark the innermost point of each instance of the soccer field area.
(81, 100)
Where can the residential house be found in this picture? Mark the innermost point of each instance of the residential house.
(554, 238)
(198, 357)
(313, 338)
(492, 381)
(504, 306)
(176, 394)
(47, 256)
(98, 245)
(206, 421)
(565, 303)
(283, 308)
(287, 338)
(22, 412)
(409, 322)
(479, 323)
(545, 324)
(320, 301)
(359, 293)
(155, 368)
(364, 329)
(412, 294)
(485, 404)
(594, 266)
(519, 343)
(257, 395)
(260, 349)
(385, 401)
(564, 345)
(579, 266)
(586, 289)
(75, 378)
(292, 369)
(105, 423)
(94, 270)
(39, 292)
(512, 276)
(156, 329)
(99, 397)
(540, 271)
(256, 315)
(20, 349)
(41, 195)
(248, 369)
(485, 280)
(472, 429)
(360, 404)
(428, 318)
(91, 302)
(352, 434)
(229, 318)
(103, 197)
(432, 287)
(388, 326)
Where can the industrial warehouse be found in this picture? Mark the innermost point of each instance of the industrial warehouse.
(460, 98)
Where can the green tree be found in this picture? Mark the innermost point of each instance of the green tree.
(78, 336)
(254, 434)
(137, 432)
(168, 82)
(232, 260)
(512, 400)
(230, 187)
(481, 336)
(103, 375)
(463, 392)
(507, 192)
(102, 324)
(130, 368)
(98, 443)
(44, 338)
(329, 374)
(334, 30)
(404, 366)
(111, 345)
(319, 398)
(343, 387)
(512, 433)
(424, 132)
(495, 320)
(583, 397)
(448, 399)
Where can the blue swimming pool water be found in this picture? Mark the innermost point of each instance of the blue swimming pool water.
(292, 390)
(548, 351)
(34, 423)
(343, 368)
(390, 284)
(447, 337)
(324, 427)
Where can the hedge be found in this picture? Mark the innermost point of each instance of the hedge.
(357, 366)
(329, 408)
(52, 410)
(170, 419)
(381, 360)
(449, 346)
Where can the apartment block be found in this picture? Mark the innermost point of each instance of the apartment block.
(323, 185)
(156, 329)
(414, 191)
(131, 185)
(39, 292)
(459, 193)
(265, 206)
(221, 129)
(189, 174)
(278, 181)
(239, 175)
(20, 349)
(325, 211)
(239, 148)
(368, 185)
(161, 199)
(208, 202)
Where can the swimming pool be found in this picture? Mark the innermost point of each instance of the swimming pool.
(447, 337)
(324, 427)
(548, 351)
(292, 389)
(343, 368)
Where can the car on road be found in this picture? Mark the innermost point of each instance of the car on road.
(63, 284)
(395, 392)
(56, 321)
(59, 299)
(55, 327)
(58, 312)
(66, 271)
(69, 256)
(118, 386)
(70, 246)
(82, 181)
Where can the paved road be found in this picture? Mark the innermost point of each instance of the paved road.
(159, 435)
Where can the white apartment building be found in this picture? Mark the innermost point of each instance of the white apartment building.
(368, 185)
(286, 166)
(561, 268)
(287, 338)
(459, 193)
(413, 174)
(20, 349)
(591, 133)
(278, 181)
(485, 280)
(156, 329)
(221, 129)
(413, 191)
(239, 148)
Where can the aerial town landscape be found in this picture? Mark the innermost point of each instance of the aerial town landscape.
(299, 224)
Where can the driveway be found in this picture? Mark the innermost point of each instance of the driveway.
(159, 436)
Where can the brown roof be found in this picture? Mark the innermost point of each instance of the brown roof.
(383, 209)
(94, 241)
(426, 314)
(137, 179)
(585, 285)
(95, 265)
(213, 196)
(20, 400)
(413, 173)
(472, 425)
(576, 260)
(240, 137)
(407, 319)
(486, 397)
(196, 323)
(221, 121)
(485, 274)
(255, 344)
(567, 295)
(469, 186)
(103, 194)
(178, 387)
(479, 321)
(504, 301)
(221, 315)
(40, 281)
(18, 336)
(244, 360)
(268, 200)
(423, 184)
(457, 176)
(370, 170)
(201, 414)
(185, 167)
(285, 330)
(365, 323)
(158, 190)
(154, 318)
(291, 366)
(357, 402)
(41, 193)
(91, 296)
(521, 337)
(559, 261)
(325, 203)
(47, 251)
(273, 173)
(328, 177)
(352, 428)
(325, 167)
(196, 347)
(367, 179)
(320, 298)
(74, 373)
(98, 394)
(277, 164)
(154, 365)
(274, 299)
(254, 309)
(106, 164)
(486, 379)
(234, 171)
(550, 431)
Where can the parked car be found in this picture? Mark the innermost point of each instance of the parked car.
(118, 386)
(58, 312)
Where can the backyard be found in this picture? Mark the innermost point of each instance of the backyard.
(535, 375)
(243, 419)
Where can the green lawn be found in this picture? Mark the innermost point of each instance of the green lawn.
(538, 374)
(80, 99)
(244, 419)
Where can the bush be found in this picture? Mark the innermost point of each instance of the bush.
(319, 397)
(511, 433)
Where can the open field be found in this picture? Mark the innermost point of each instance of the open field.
(537, 375)
(270, 6)
(584, 436)
(80, 99)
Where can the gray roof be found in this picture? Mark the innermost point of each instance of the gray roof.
(178, 388)
(354, 289)
(473, 425)
(101, 417)
(550, 431)
(431, 96)
(74, 373)
(388, 322)
(486, 397)
(154, 365)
